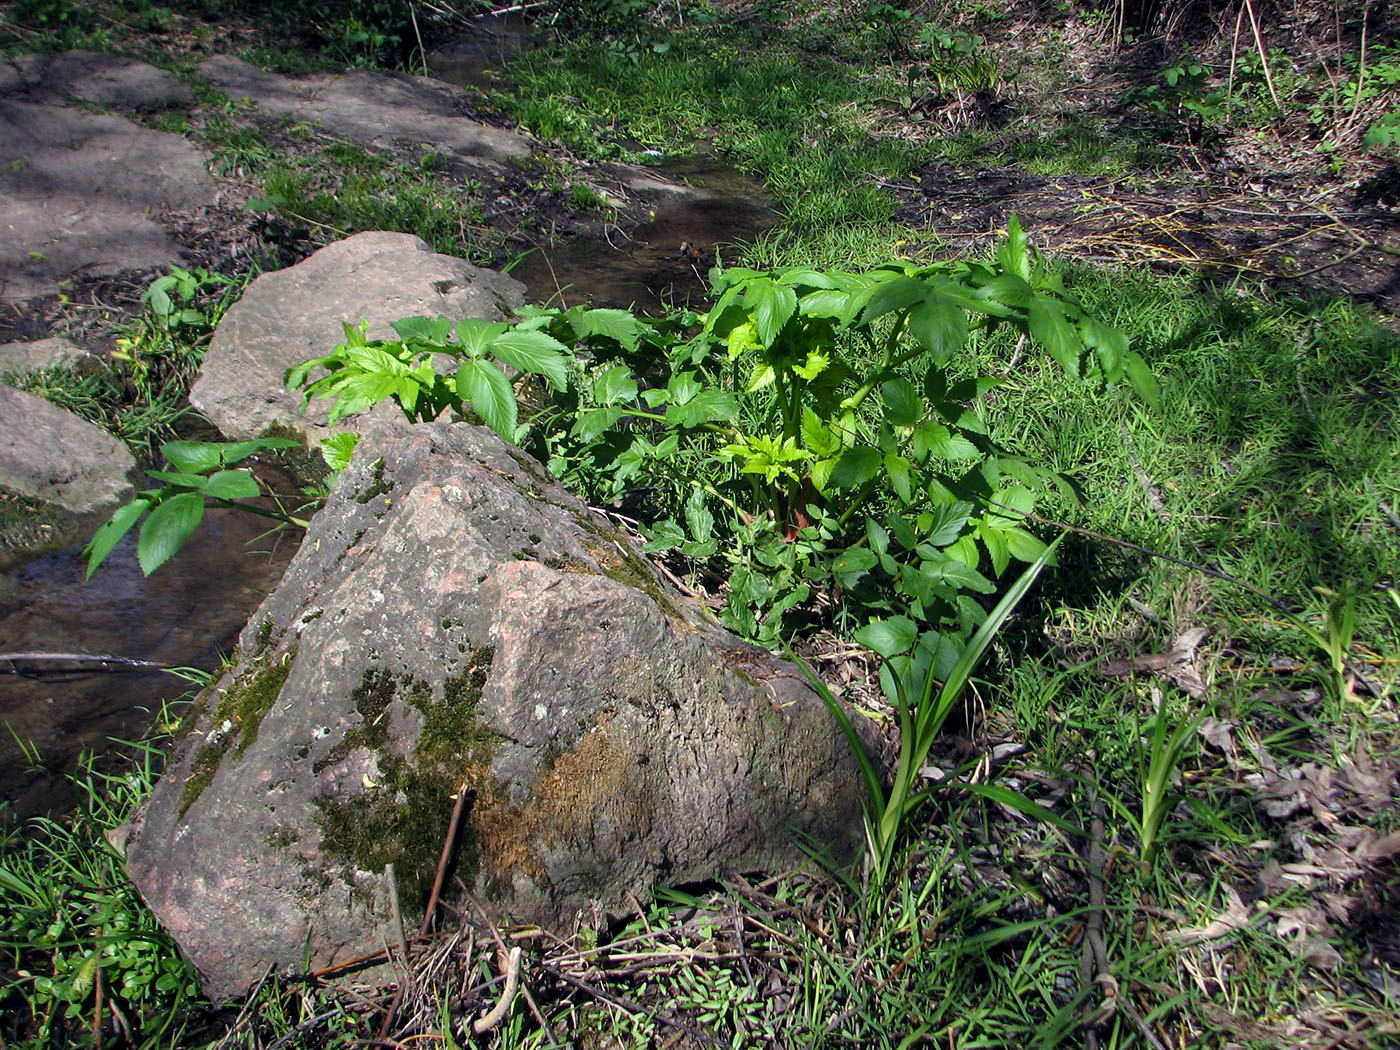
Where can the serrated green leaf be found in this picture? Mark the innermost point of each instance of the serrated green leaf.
(111, 532)
(815, 364)
(897, 469)
(1048, 327)
(698, 518)
(233, 452)
(193, 457)
(663, 536)
(955, 571)
(1007, 295)
(534, 352)
(903, 405)
(708, 406)
(772, 305)
(856, 467)
(826, 303)
(854, 560)
(1141, 379)
(166, 528)
(232, 484)
(1014, 252)
(995, 543)
(337, 449)
(945, 523)
(435, 330)
(589, 425)
(886, 295)
(940, 326)
(1023, 545)
(475, 335)
(805, 277)
(878, 538)
(621, 326)
(490, 394)
(614, 385)
(178, 478)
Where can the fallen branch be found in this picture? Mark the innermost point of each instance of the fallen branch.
(80, 658)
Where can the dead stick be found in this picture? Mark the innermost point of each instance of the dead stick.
(447, 846)
(80, 658)
(396, 917)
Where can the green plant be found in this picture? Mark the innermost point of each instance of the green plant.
(82, 952)
(804, 436)
(203, 475)
(172, 299)
(141, 396)
(361, 371)
(1185, 99)
(922, 706)
(1384, 131)
(821, 403)
(1159, 759)
(958, 60)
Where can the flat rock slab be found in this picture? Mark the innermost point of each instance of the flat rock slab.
(382, 110)
(63, 464)
(456, 620)
(26, 358)
(110, 80)
(293, 315)
(80, 192)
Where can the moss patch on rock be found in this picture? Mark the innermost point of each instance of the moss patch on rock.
(237, 716)
(378, 485)
(403, 819)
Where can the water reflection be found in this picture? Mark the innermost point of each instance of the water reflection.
(188, 613)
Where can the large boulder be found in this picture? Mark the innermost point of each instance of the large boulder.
(60, 476)
(25, 358)
(456, 619)
(293, 315)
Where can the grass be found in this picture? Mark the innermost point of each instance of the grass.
(1274, 460)
(140, 395)
(795, 120)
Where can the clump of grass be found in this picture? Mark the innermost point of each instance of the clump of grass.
(342, 189)
(80, 949)
(793, 120)
(140, 395)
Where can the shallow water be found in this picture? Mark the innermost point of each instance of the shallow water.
(662, 261)
(188, 613)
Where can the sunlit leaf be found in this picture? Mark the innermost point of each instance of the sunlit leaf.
(856, 467)
(112, 530)
(232, 484)
(490, 394)
(889, 637)
(436, 330)
(903, 405)
(166, 528)
(621, 326)
(535, 352)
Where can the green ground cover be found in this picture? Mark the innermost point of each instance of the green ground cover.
(1203, 689)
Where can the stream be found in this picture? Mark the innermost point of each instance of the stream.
(189, 613)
